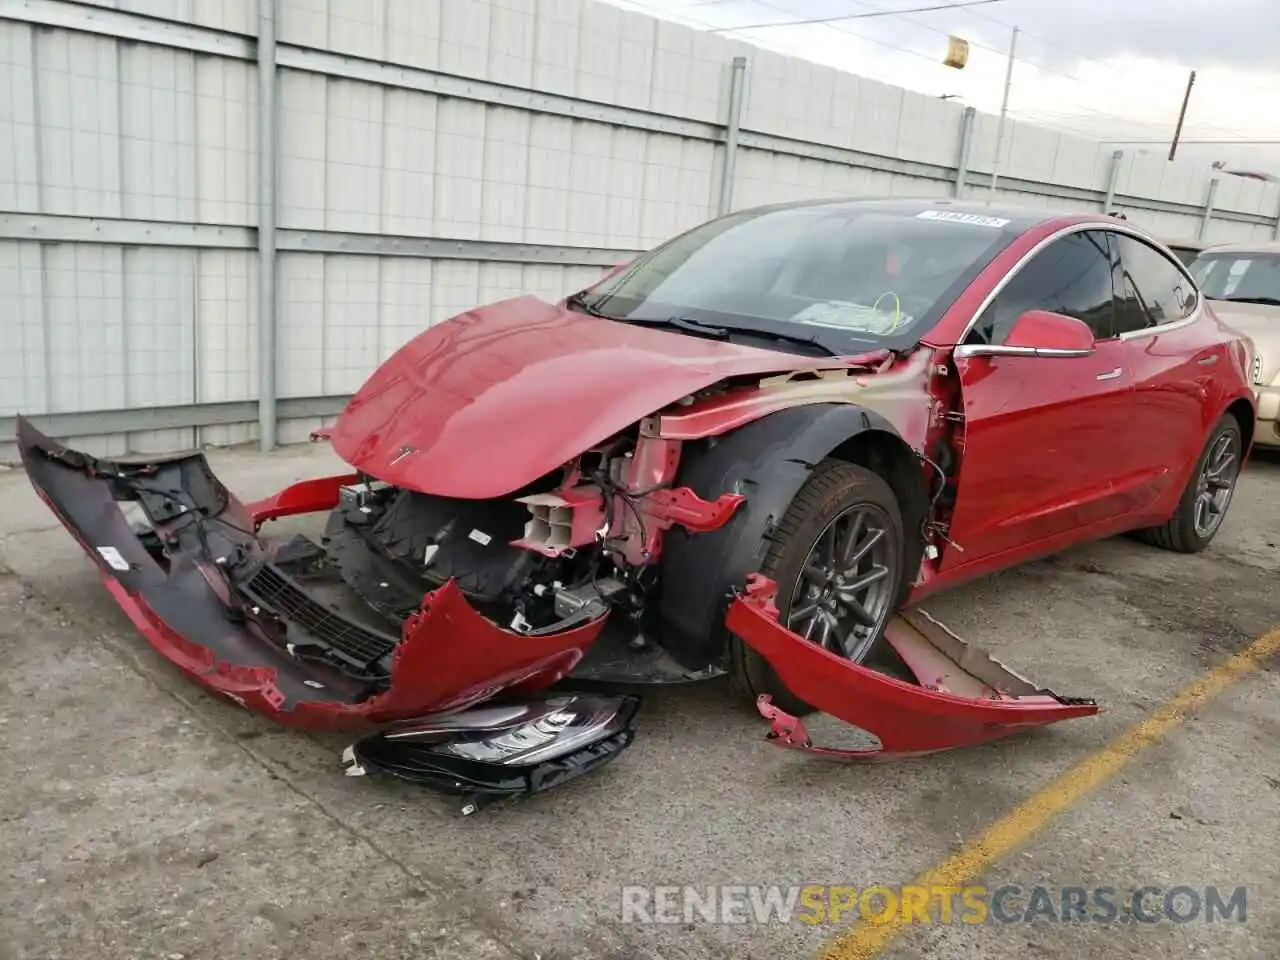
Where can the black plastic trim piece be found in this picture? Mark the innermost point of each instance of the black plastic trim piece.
(768, 462)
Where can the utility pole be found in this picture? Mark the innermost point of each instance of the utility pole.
(1182, 115)
(1004, 109)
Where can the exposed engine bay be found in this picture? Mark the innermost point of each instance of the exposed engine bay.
(393, 545)
(572, 549)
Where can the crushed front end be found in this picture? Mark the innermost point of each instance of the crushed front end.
(409, 605)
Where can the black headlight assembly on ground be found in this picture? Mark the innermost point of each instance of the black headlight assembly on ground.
(501, 751)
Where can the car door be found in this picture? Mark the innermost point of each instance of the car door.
(1044, 437)
(1174, 361)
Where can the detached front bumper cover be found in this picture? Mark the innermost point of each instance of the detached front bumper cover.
(962, 696)
(191, 600)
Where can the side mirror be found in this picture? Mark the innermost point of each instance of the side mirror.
(1037, 333)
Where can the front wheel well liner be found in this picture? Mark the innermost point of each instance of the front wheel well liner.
(887, 455)
(767, 461)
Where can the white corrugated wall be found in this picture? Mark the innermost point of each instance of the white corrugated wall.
(431, 155)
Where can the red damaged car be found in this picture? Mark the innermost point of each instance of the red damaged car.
(744, 452)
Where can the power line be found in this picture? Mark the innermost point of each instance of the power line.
(709, 27)
(1047, 113)
(1251, 141)
(856, 16)
(932, 60)
(1063, 123)
(1080, 56)
(1147, 84)
(1272, 88)
(1040, 66)
(829, 22)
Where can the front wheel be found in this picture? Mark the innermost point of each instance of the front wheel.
(837, 558)
(1204, 503)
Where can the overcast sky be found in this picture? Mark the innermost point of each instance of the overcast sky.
(1099, 68)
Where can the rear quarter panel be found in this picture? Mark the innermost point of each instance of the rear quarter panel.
(1230, 380)
(1184, 379)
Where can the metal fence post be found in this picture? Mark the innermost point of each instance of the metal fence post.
(966, 148)
(1004, 111)
(1113, 177)
(737, 83)
(267, 224)
(1210, 196)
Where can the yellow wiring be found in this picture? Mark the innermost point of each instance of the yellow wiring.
(897, 307)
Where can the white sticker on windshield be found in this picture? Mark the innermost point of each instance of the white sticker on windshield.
(850, 316)
(953, 217)
(114, 560)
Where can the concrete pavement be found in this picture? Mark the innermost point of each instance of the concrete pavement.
(144, 819)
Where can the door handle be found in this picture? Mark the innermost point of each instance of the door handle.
(1211, 358)
(1110, 375)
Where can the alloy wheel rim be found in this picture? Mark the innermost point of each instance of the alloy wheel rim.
(1215, 485)
(843, 594)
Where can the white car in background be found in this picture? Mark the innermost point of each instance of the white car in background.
(1243, 281)
(1186, 250)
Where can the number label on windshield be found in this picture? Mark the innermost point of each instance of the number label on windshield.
(976, 219)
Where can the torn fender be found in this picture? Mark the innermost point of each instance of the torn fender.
(193, 609)
(963, 696)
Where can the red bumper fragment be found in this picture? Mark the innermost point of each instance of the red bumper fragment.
(305, 496)
(963, 696)
(451, 658)
(253, 688)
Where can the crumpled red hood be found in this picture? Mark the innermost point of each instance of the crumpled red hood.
(491, 400)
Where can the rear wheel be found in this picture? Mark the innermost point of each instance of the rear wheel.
(1204, 503)
(837, 558)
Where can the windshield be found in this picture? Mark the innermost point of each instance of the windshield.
(1243, 277)
(842, 276)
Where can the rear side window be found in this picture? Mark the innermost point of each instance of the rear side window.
(1150, 289)
(1071, 276)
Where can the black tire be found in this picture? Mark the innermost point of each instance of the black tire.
(1181, 533)
(831, 492)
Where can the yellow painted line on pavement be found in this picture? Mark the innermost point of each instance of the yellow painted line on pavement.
(865, 940)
